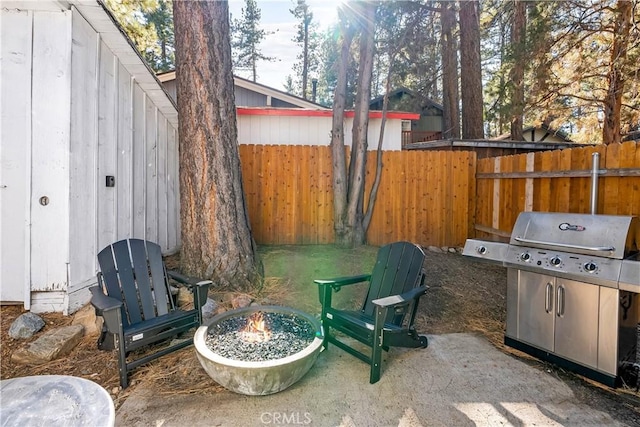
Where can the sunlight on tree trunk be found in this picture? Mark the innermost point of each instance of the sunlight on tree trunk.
(216, 236)
(358, 162)
(337, 135)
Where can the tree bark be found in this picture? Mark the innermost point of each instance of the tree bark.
(450, 91)
(358, 162)
(216, 235)
(470, 70)
(611, 133)
(338, 155)
(518, 31)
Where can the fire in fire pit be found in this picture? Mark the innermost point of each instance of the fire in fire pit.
(258, 350)
(260, 336)
(256, 330)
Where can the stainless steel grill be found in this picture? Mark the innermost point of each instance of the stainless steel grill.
(573, 289)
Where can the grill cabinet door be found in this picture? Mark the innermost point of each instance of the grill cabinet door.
(576, 313)
(536, 307)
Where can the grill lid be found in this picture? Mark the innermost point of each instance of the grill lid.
(611, 236)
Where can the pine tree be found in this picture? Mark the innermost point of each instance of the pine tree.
(307, 39)
(247, 37)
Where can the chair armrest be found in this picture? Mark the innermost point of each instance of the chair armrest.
(102, 302)
(338, 282)
(109, 308)
(199, 288)
(187, 280)
(392, 300)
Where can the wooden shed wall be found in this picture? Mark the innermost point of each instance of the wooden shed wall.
(116, 130)
(73, 114)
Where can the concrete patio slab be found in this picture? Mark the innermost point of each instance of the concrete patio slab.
(459, 380)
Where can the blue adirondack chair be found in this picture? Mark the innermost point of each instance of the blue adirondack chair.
(134, 298)
(389, 309)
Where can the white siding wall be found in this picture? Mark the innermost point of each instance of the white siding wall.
(72, 114)
(117, 131)
(36, 80)
(310, 130)
(15, 153)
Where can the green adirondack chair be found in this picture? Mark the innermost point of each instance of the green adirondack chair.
(134, 298)
(389, 309)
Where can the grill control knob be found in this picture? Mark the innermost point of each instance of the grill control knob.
(481, 250)
(555, 261)
(590, 266)
(525, 256)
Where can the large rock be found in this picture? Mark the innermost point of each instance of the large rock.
(241, 301)
(185, 296)
(209, 309)
(86, 317)
(53, 344)
(25, 326)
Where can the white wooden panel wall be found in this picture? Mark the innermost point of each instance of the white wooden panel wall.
(51, 91)
(15, 154)
(139, 168)
(116, 131)
(151, 167)
(173, 190)
(162, 212)
(107, 145)
(311, 130)
(83, 151)
(124, 160)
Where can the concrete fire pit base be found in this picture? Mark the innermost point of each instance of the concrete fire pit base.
(257, 378)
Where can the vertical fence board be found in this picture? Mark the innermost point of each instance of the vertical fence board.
(611, 196)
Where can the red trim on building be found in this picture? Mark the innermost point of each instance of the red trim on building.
(301, 112)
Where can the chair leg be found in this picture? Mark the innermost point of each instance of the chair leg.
(122, 362)
(376, 350)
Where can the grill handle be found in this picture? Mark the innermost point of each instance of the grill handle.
(548, 300)
(565, 245)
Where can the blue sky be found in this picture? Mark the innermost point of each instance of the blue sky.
(276, 16)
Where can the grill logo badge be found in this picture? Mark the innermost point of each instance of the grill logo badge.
(565, 226)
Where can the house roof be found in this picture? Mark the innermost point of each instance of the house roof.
(549, 132)
(402, 91)
(259, 88)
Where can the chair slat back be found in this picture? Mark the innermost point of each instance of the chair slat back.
(398, 269)
(134, 273)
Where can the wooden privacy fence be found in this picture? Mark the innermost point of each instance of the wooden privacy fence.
(555, 181)
(425, 196)
(433, 197)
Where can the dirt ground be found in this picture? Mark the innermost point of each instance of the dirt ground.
(465, 296)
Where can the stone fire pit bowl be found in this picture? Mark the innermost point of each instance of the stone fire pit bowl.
(257, 378)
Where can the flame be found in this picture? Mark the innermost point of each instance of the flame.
(256, 329)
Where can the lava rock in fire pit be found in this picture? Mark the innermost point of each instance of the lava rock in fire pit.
(269, 336)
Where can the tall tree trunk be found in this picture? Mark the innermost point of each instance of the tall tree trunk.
(450, 91)
(305, 58)
(470, 70)
(338, 156)
(216, 236)
(613, 102)
(358, 161)
(518, 31)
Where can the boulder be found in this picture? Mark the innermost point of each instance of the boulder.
(86, 317)
(241, 301)
(25, 326)
(53, 344)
